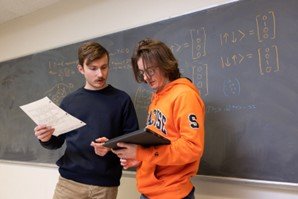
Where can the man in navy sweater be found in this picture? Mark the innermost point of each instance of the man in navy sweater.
(87, 169)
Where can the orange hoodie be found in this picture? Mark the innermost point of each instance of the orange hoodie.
(178, 113)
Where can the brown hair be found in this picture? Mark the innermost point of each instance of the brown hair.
(91, 51)
(155, 53)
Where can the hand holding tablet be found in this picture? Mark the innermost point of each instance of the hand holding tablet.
(144, 137)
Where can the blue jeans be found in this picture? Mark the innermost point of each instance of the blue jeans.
(191, 195)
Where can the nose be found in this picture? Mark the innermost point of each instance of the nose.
(99, 73)
(146, 77)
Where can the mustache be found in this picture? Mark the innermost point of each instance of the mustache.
(100, 79)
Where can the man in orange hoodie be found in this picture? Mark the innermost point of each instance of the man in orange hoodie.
(177, 112)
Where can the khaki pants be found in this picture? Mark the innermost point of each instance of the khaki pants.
(68, 189)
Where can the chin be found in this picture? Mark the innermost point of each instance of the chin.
(154, 89)
(96, 87)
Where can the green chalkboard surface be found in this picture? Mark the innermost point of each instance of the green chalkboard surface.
(242, 57)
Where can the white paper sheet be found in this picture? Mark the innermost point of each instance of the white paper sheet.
(44, 111)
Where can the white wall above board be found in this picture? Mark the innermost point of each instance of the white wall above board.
(68, 22)
(12, 9)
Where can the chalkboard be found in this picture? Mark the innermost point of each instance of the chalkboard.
(242, 57)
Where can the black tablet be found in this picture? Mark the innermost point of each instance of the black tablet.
(144, 137)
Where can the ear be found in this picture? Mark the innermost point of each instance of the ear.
(80, 69)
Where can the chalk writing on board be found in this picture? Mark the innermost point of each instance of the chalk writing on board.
(120, 59)
(121, 64)
(198, 43)
(62, 69)
(59, 91)
(234, 59)
(231, 87)
(230, 108)
(266, 29)
(266, 26)
(233, 37)
(7, 81)
(179, 47)
(268, 59)
(120, 51)
(200, 77)
(142, 98)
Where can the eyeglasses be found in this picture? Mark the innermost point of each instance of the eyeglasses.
(149, 72)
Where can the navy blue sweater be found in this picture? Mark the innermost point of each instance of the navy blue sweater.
(108, 113)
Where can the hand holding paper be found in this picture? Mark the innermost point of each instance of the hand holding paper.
(44, 111)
